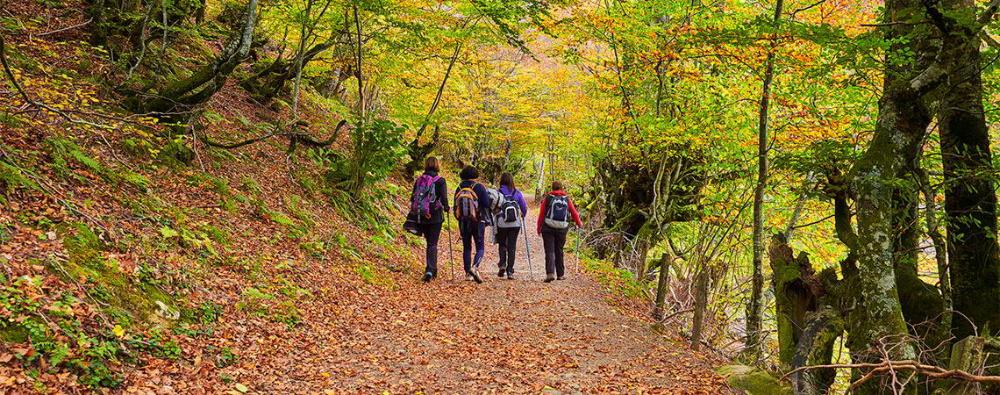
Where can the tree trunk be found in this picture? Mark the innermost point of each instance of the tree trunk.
(876, 319)
(661, 287)
(970, 200)
(199, 13)
(755, 309)
(181, 95)
(418, 152)
(700, 306)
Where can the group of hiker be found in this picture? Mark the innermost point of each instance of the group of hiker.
(476, 207)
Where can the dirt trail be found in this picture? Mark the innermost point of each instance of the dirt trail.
(503, 336)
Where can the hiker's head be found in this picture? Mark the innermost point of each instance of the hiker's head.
(507, 180)
(557, 186)
(469, 173)
(432, 164)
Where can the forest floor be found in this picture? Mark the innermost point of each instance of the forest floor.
(454, 336)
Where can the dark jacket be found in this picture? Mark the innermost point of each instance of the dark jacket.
(542, 227)
(482, 194)
(441, 192)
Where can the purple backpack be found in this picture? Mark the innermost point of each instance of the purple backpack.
(425, 200)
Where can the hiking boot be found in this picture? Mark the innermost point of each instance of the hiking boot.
(550, 277)
(468, 277)
(502, 273)
(428, 277)
(510, 276)
(560, 278)
(475, 276)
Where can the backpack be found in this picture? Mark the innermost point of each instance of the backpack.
(496, 200)
(425, 200)
(467, 204)
(509, 214)
(557, 212)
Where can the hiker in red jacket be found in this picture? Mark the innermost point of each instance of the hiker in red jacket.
(553, 224)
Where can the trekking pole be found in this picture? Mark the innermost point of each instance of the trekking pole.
(527, 246)
(451, 252)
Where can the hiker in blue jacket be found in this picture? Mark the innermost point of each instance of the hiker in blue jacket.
(509, 222)
(471, 209)
(430, 199)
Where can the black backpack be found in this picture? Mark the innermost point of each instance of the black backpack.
(509, 215)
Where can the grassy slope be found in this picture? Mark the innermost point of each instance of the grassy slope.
(120, 266)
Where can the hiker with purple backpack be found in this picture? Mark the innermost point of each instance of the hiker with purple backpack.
(509, 221)
(428, 206)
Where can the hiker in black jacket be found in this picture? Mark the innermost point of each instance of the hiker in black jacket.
(471, 208)
(435, 206)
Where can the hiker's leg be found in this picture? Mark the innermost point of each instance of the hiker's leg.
(560, 240)
(466, 230)
(432, 233)
(549, 241)
(480, 237)
(502, 249)
(512, 248)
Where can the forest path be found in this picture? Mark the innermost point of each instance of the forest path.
(502, 336)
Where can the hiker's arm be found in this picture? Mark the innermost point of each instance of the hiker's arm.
(576, 214)
(442, 192)
(522, 203)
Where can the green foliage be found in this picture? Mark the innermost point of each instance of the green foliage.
(371, 275)
(66, 155)
(377, 149)
(617, 280)
(59, 338)
(13, 178)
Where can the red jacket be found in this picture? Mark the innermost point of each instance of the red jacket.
(545, 205)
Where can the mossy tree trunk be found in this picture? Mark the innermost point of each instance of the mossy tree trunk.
(970, 200)
(877, 178)
(181, 95)
(268, 83)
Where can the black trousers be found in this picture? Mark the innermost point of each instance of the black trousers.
(555, 242)
(432, 233)
(472, 233)
(507, 238)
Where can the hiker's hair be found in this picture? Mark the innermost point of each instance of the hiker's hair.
(469, 173)
(508, 180)
(432, 164)
(557, 186)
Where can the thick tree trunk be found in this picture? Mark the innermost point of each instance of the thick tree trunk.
(876, 318)
(970, 200)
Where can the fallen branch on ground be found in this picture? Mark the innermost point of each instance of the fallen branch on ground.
(935, 372)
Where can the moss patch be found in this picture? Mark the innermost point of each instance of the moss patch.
(126, 299)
